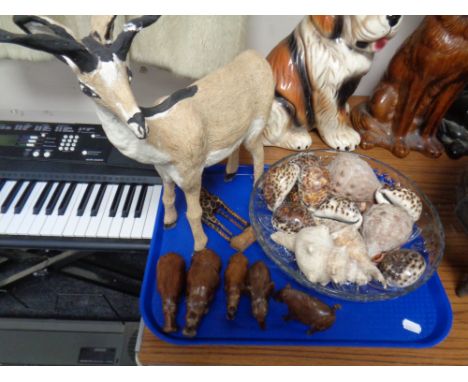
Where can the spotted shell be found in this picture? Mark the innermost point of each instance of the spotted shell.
(279, 181)
(385, 227)
(313, 186)
(353, 178)
(291, 218)
(339, 209)
(401, 197)
(306, 159)
(402, 267)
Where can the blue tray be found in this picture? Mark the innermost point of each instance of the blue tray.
(373, 324)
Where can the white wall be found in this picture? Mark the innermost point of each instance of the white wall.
(48, 91)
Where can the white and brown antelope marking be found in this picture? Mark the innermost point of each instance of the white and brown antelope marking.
(183, 133)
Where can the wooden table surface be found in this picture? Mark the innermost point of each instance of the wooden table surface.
(437, 178)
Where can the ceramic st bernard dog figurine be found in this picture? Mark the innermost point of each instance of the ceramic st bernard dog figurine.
(317, 68)
(183, 133)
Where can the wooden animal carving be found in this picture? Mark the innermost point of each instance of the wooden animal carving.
(317, 68)
(193, 128)
(421, 82)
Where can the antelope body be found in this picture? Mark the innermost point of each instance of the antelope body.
(184, 133)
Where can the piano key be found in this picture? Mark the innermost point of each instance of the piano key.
(66, 199)
(83, 223)
(128, 201)
(11, 196)
(141, 200)
(52, 217)
(127, 227)
(118, 220)
(98, 201)
(42, 198)
(2, 183)
(24, 197)
(139, 222)
(73, 213)
(85, 199)
(6, 190)
(116, 201)
(41, 216)
(96, 221)
(77, 190)
(54, 199)
(152, 211)
(19, 219)
(10, 212)
(106, 221)
(23, 229)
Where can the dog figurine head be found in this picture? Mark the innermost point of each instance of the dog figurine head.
(364, 33)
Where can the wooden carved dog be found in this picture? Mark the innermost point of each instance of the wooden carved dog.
(193, 128)
(421, 82)
(317, 68)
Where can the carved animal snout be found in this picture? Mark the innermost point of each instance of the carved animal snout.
(138, 124)
(393, 19)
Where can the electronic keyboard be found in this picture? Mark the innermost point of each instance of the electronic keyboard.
(64, 186)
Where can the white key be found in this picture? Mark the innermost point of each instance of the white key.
(17, 220)
(118, 220)
(73, 217)
(7, 187)
(51, 219)
(95, 221)
(40, 218)
(153, 210)
(23, 229)
(127, 226)
(62, 220)
(9, 215)
(106, 221)
(82, 226)
(139, 223)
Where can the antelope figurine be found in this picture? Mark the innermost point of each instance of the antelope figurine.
(182, 134)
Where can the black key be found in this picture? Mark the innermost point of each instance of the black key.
(2, 183)
(116, 201)
(141, 201)
(128, 201)
(11, 196)
(24, 198)
(66, 199)
(42, 198)
(54, 199)
(85, 199)
(98, 200)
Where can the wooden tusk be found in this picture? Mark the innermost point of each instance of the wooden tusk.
(244, 240)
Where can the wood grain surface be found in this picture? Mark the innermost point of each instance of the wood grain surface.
(437, 178)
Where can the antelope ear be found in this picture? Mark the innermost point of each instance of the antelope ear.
(328, 26)
(102, 28)
(43, 25)
(124, 40)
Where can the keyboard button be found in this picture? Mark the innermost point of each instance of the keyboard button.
(42, 198)
(98, 201)
(55, 198)
(152, 211)
(24, 197)
(11, 196)
(66, 199)
(85, 199)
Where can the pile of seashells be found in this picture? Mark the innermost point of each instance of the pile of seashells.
(342, 224)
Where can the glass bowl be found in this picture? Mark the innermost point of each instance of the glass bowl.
(427, 237)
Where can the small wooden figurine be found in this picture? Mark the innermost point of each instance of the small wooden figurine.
(183, 133)
(317, 68)
(421, 82)
(453, 130)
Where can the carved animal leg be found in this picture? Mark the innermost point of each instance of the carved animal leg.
(281, 131)
(232, 166)
(332, 123)
(194, 214)
(168, 198)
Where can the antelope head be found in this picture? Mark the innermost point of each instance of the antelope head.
(98, 61)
